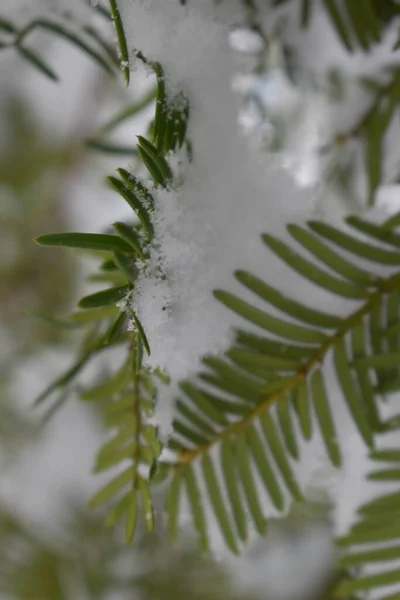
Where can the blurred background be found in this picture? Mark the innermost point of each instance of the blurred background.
(58, 141)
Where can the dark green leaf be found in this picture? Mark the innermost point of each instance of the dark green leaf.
(135, 193)
(332, 259)
(126, 265)
(392, 532)
(264, 468)
(388, 454)
(351, 393)
(158, 159)
(284, 414)
(189, 434)
(379, 361)
(366, 388)
(324, 417)
(194, 497)
(240, 450)
(272, 347)
(194, 418)
(355, 245)
(381, 505)
(392, 222)
(361, 558)
(105, 297)
(374, 231)
(302, 405)
(37, 62)
(131, 517)
(173, 504)
(230, 478)
(203, 403)
(263, 361)
(231, 386)
(347, 587)
(129, 235)
(7, 26)
(218, 503)
(87, 241)
(152, 167)
(123, 46)
(109, 148)
(266, 321)
(310, 270)
(279, 455)
(384, 475)
(291, 307)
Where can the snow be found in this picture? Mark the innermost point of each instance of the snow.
(209, 226)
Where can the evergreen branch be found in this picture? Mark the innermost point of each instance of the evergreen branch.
(261, 372)
(126, 409)
(267, 399)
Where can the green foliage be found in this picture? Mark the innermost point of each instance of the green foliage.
(237, 418)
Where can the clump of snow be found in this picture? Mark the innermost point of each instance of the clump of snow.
(303, 157)
(210, 225)
(246, 40)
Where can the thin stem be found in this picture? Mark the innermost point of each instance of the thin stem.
(138, 417)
